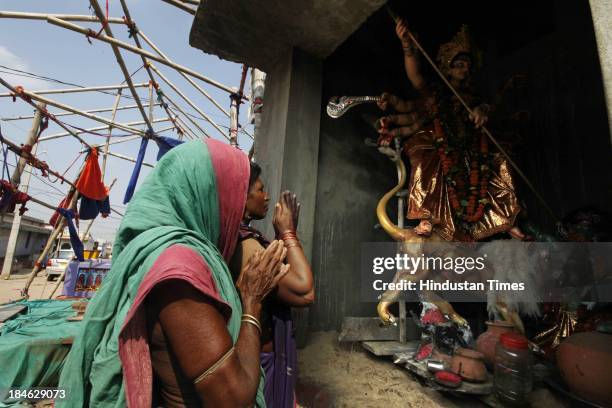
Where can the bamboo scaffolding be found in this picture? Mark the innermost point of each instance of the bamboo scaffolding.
(17, 149)
(186, 99)
(145, 62)
(188, 131)
(95, 129)
(121, 62)
(73, 110)
(110, 131)
(194, 2)
(177, 107)
(131, 138)
(121, 156)
(191, 81)
(75, 90)
(73, 27)
(40, 99)
(71, 113)
(66, 17)
(15, 180)
(181, 5)
(59, 228)
(14, 147)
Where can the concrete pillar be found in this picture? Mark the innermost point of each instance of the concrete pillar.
(601, 11)
(287, 144)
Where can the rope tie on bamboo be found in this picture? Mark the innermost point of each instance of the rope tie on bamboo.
(131, 25)
(20, 92)
(149, 134)
(214, 367)
(92, 34)
(11, 197)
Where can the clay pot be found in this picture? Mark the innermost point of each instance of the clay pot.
(469, 365)
(487, 341)
(584, 360)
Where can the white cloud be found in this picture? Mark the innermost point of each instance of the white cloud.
(8, 59)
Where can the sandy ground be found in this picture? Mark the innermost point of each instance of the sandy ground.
(346, 375)
(351, 377)
(39, 289)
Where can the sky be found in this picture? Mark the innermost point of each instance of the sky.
(47, 50)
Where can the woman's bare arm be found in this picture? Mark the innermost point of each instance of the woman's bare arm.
(296, 288)
(197, 334)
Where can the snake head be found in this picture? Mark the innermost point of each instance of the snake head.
(383, 313)
(335, 107)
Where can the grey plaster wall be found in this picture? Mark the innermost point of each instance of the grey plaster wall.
(259, 32)
(601, 10)
(287, 145)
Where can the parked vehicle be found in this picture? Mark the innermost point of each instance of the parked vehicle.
(56, 265)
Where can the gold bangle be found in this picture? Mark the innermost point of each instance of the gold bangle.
(214, 366)
(254, 323)
(251, 317)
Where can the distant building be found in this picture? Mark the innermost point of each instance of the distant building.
(33, 235)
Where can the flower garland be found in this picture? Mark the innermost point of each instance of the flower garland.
(467, 191)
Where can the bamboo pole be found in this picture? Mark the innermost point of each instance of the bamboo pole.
(121, 62)
(73, 27)
(194, 2)
(186, 99)
(191, 81)
(76, 90)
(74, 110)
(16, 180)
(121, 156)
(95, 129)
(188, 131)
(105, 155)
(181, 5)
(67, 17)
(145, 62)
(44, 100)
(189, 118)
(71, 113)
(131, 138)
(233, 129)
(59, 228)
(110, 131)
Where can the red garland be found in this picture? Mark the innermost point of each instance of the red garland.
(458, 196)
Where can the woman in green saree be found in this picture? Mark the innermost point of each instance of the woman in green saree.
(168, 325)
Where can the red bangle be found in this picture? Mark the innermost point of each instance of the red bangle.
(288, 235)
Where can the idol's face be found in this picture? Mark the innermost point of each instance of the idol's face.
(460, 69)
(257, 201)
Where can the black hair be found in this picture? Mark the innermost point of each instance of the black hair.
(255, 173)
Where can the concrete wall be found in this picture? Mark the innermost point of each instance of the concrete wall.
(33, 247)
(287, 145)
(601, 11)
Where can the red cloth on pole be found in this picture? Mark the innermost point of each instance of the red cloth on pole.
(90, 183)
(63, 204)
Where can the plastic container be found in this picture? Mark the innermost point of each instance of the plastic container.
(513, 369)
